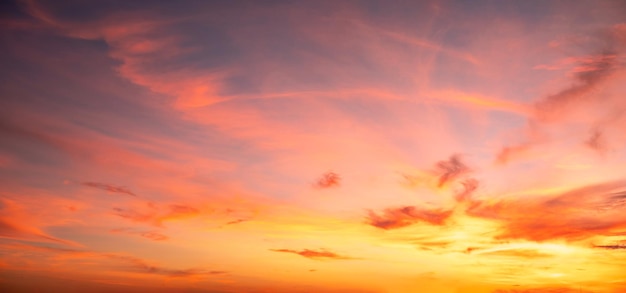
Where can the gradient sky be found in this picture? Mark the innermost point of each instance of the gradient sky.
(313, 146)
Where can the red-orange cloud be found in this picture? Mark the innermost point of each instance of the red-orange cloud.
(574, 215)
(394, 218)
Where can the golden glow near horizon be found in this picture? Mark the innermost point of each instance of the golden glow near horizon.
(313, 146)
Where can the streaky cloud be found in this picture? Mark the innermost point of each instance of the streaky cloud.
(109, 188)
(313, 254)
(394, 218)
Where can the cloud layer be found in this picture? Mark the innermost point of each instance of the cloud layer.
(439, 146)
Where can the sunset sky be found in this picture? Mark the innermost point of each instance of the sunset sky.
(313, 146)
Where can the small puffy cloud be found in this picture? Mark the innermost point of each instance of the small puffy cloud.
(328, 180)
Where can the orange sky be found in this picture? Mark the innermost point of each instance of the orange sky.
(313, 146)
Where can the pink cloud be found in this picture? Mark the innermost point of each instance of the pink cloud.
(593, 79)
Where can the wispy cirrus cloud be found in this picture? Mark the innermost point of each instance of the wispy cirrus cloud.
(237, 221)
(140, 265)
(611, 247)
(106, 261)
(109, 188)
(612, 201)
(10, 229)
(554, 289)
(477, 101)
(521, 253)
(152, 235)
(313, 254)
(16, 223)
(156, 215)
(590, 75)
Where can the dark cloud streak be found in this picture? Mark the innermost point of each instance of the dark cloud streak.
(152, 235)
(313, 254)
(237, 221)
(450, 170)
(394, 218)
(591, 73)
(611, 247)
(109, 188)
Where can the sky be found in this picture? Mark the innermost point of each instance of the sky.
(313, 146)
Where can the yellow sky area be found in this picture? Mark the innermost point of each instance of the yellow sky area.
(461, 256)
